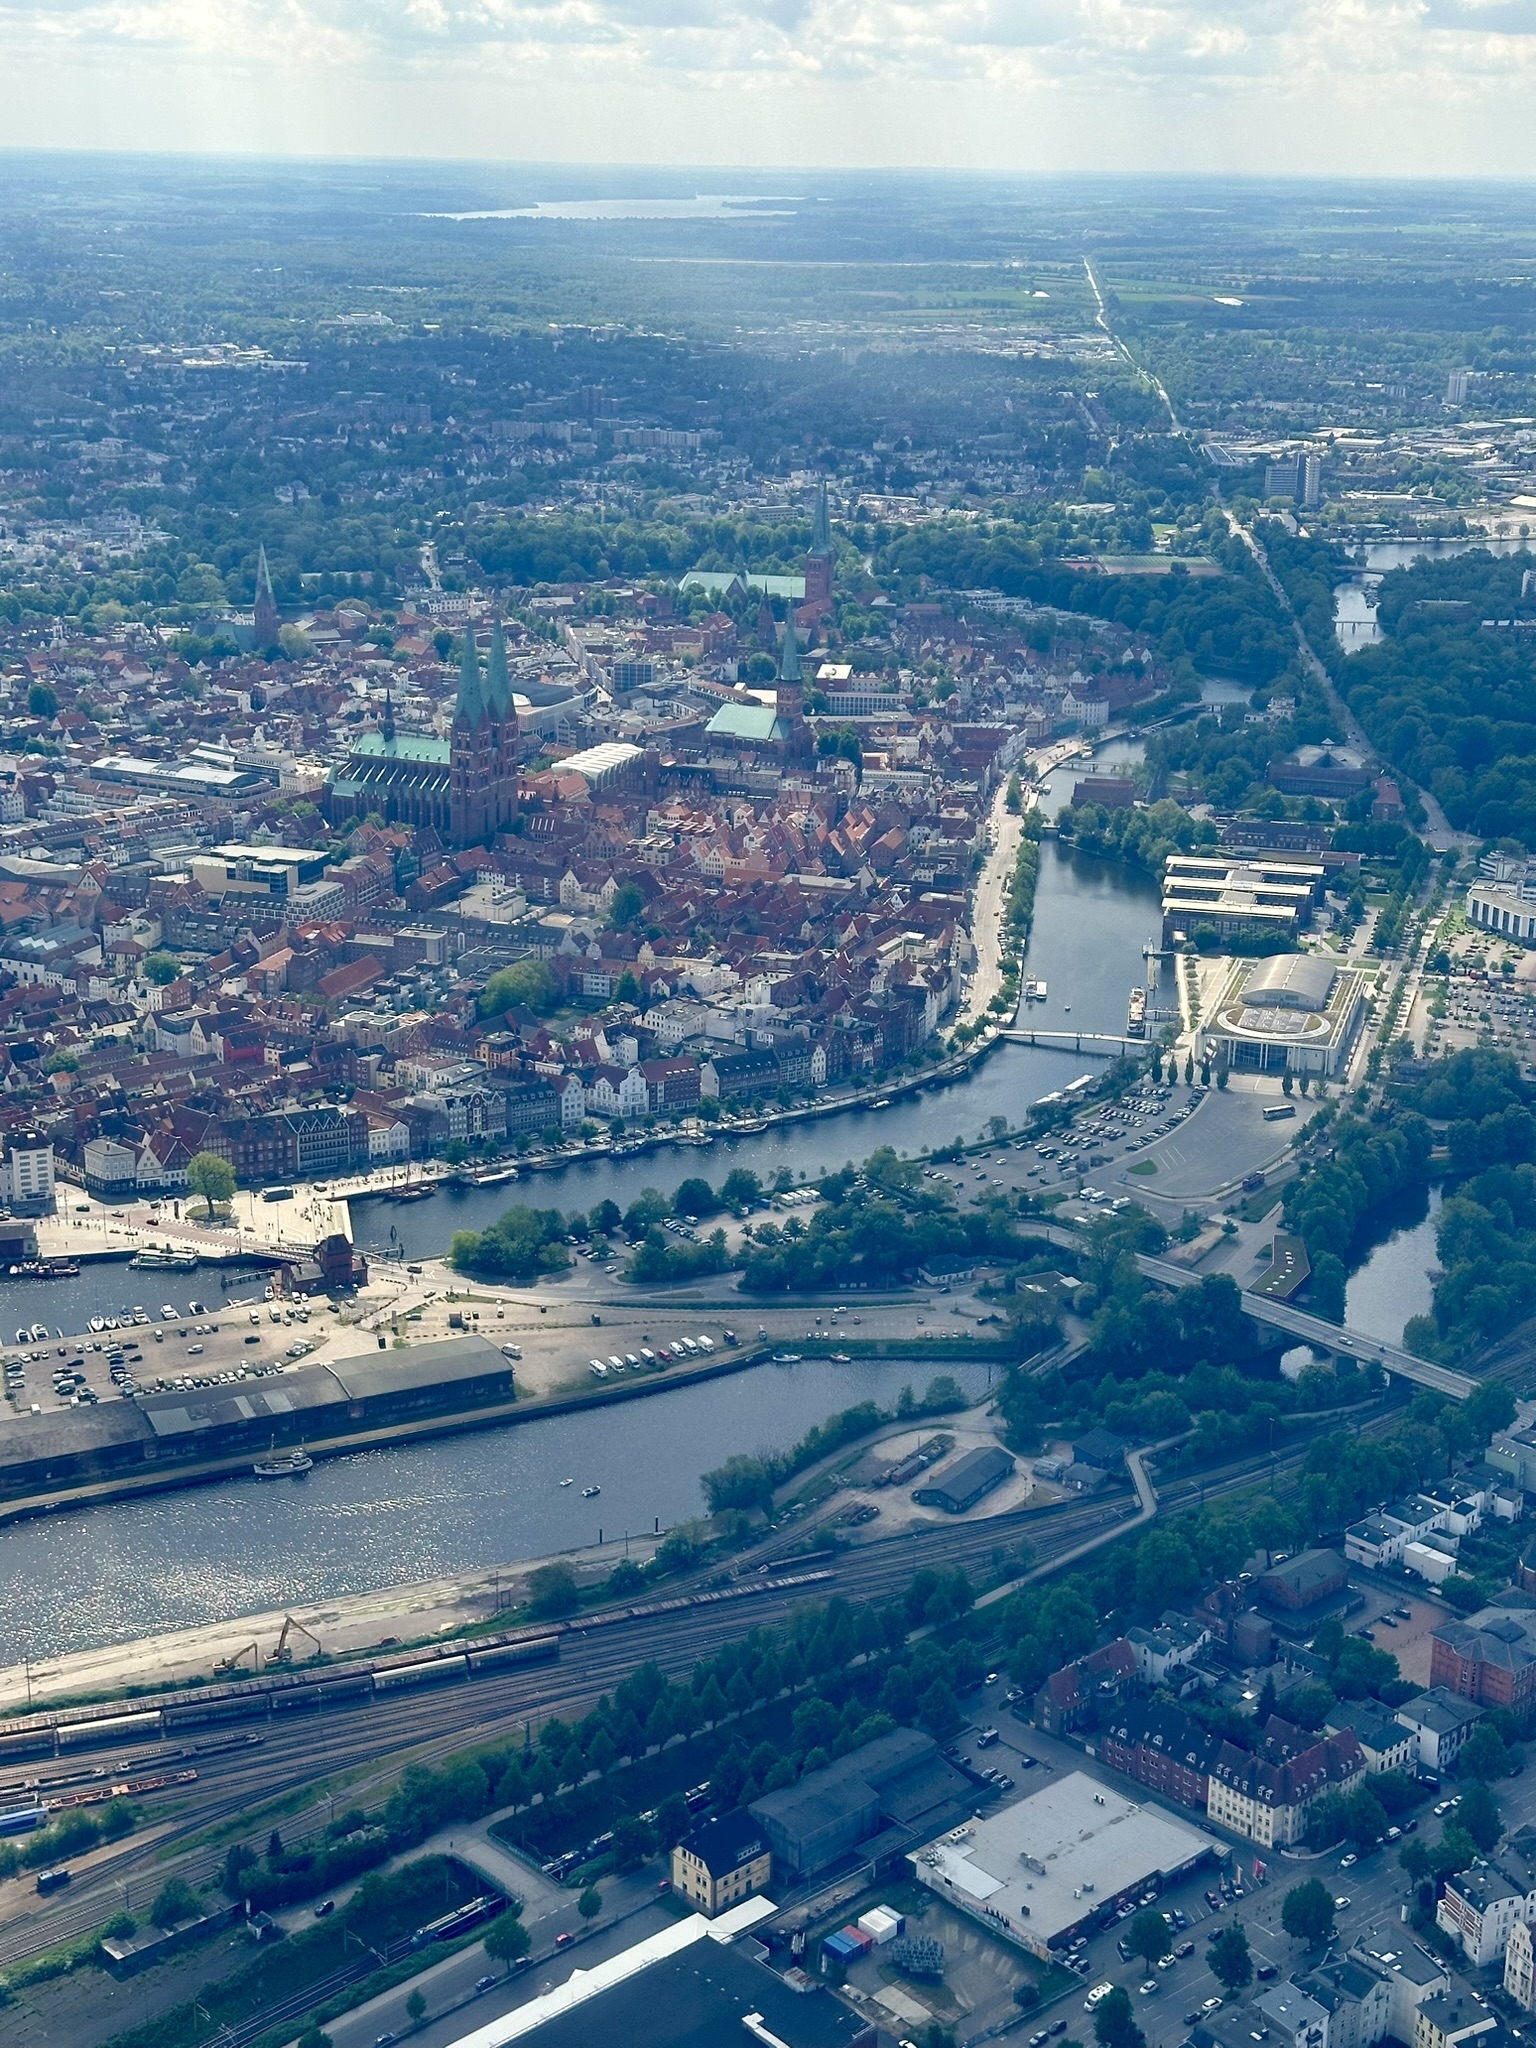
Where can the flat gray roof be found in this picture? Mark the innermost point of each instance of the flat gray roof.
(1049, 1861)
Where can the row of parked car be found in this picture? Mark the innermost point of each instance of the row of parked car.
(664, 1354)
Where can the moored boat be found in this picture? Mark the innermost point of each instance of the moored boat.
(283, 1465)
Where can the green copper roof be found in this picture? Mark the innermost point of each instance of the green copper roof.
(405, 746)
(498, 684)
(470, 709)
(752, 721)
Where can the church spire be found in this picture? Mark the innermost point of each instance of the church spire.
(498, 684)
(264, 618)
(789, 654)
(388, 727)
(821, 525)
(470, 709)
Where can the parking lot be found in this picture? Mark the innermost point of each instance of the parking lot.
(1165, 1144)
(142, 1350)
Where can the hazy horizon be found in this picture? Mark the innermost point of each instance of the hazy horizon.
(1442, 89)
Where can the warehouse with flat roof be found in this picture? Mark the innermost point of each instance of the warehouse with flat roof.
(1051, 1866)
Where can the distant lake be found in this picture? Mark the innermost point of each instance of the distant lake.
(704, 206)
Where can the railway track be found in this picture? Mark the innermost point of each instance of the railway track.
(430, 1727)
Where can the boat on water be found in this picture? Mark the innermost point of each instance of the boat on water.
(1035, 991)
(162, 1259)
(567, 1482)
(1136, 1014)
(590, 1492)
(44, 1269)
(884, 1102)
(283, 1465)
(418, 1193)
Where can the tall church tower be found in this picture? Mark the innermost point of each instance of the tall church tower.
(820, 561)
(503, 716)
(266, 605)
(472, 779)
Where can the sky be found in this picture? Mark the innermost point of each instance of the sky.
(1369, 87)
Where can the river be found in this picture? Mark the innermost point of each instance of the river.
(1394, 1281)
(398, 1516)
(384, 1517)
(1354, 601)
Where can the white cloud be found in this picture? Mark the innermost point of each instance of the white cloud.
(1257, 85)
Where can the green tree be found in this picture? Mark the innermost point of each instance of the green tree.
(1114, 2023)
(1148, 1935)
(507, 1940)
(211, 1177)
(1325, 1289)
(939, 1711)
(552, 1590)
(1307, 1913)
(528, 985)
(175, 1902)
(416, 2004)
(313, 2037)
(1365, 1818)
(628, 989)
(1230, 1963)
(695, 1197)
(161, 968)
(740, 1187)
(1478, 1816)
(43, 700)
(628, 904)
(1484, 1755)
(590, 1904)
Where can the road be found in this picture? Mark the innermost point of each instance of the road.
(1327, 1336)
(988, 906)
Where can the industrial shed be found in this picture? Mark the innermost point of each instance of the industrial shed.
(969, 1479)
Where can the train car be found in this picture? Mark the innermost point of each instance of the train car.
(209, 1713)
(23, 1818)
(432, 1671)
(501, 1656)
(112, 1728)
(460, 1921)
(27, 1742)
(326, 1692)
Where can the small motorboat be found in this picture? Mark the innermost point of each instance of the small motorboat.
(590, 1492)
(567, 1482)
